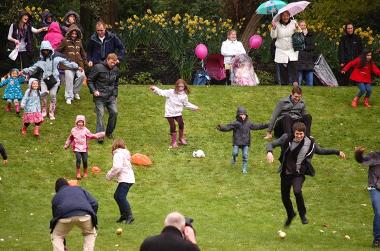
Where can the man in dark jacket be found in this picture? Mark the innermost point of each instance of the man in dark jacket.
(102, 43)
(296, 153)
(241, 135)
(73, 206)
(103, 82)
(175, 236)
(350, 47)
(288, 111)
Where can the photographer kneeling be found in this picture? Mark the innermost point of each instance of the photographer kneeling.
(177, 235)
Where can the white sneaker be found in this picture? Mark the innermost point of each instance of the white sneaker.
(76, 96)
(51, 116)
(44, 113)
(68, 101)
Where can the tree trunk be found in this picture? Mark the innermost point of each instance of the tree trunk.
(86, 18)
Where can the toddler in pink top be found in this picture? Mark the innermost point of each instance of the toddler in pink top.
(78, 139)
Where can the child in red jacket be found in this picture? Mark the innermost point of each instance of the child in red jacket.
(362, 74)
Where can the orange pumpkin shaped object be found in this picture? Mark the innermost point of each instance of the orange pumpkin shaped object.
(73, 183)
(141, 160)
(95, 169)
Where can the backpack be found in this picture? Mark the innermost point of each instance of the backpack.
(298, 41)
(201, 78)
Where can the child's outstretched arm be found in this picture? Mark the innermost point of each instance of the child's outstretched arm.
(97, 135)
(274, 144)
(160, 92)
(370, 159)
(350, 64)
(375, 70)
(116, 167)
(260, 126)
(228, 127)
(189, 105)
(4, 82)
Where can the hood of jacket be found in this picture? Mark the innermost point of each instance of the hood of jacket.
(31, 81)
(72, 28)
(71, 12)
(241, 110)
(80, 118)
(45, 45)
(54, 28)
(45, 15)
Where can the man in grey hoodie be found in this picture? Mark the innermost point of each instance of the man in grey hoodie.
(48, 64)
(289, 110)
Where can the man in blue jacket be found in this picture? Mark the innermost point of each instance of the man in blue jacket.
(73, 206)
(103, 43)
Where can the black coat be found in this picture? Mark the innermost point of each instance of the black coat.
(104, 80)
(241, 129)
(73, 201)
(170, 239)
(306, 166)
(350, 47)
(306, 56)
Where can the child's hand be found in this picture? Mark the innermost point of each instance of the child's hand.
(66, 146)
(197, 110)
(343, 72)
(270, 157)
(342, 155)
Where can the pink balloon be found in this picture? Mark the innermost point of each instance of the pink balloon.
(255, 41)
(201, 51)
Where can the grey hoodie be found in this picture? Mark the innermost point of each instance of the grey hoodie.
(48, 66)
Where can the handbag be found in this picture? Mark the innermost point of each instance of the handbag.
(50, 80)
(298, 41)
(13, 55)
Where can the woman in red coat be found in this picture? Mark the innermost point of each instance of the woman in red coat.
(362, 74)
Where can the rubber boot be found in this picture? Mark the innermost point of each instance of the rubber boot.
(182, 139)
(52, 111)
(130, 218)
(17, 108)
(23, 130)
(85, 174)
(36, 131)
(174, 140)
(122, 218)
(354, 102)
(43, 107)
(8, 107)
(78, 174)
(366, 102)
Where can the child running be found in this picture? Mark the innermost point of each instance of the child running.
(13, 91)
(78, 139)
(122, 169)
(176, 100)
(241, 135)
(362, 75)
(31, 103)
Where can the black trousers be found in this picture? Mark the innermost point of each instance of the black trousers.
(287, 181)
(285, 124)
(79, 157)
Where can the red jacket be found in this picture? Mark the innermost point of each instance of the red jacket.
(361, 75)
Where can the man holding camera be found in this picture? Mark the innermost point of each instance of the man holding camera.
(177, 235)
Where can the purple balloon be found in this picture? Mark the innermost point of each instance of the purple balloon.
(255, 41)
(201, 51)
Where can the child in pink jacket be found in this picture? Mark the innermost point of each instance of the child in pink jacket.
(54, 35)
(78, 139)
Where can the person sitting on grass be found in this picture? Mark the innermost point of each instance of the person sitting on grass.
(241, 135)
(296, 153)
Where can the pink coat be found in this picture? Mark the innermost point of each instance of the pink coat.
(79, 136)
(54, 35)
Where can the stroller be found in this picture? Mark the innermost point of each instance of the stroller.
(215, 67)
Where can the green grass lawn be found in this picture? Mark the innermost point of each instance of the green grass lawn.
(231, 211)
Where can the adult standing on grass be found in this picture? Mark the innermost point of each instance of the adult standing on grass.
(103, 82)
(296, 153)
(3, 154)
(305, 63)
(21, 34)
(175, 236)
(73, 206)
(372, 160)
(102, 43)
(288, 111)
(350, 47)
(285, 55)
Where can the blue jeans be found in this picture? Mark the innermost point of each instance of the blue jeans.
(120, 197)
(364, 89)
(375, 198)
(235, 153)
(100, 103)
(308, 77)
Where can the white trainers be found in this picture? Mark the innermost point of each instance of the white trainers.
(51, 116)
(68, 101)
(44, 113)
(76, 96)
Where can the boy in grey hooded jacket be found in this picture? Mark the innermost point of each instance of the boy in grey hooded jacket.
(48, 63)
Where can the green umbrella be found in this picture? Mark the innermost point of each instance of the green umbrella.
(270, 7)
